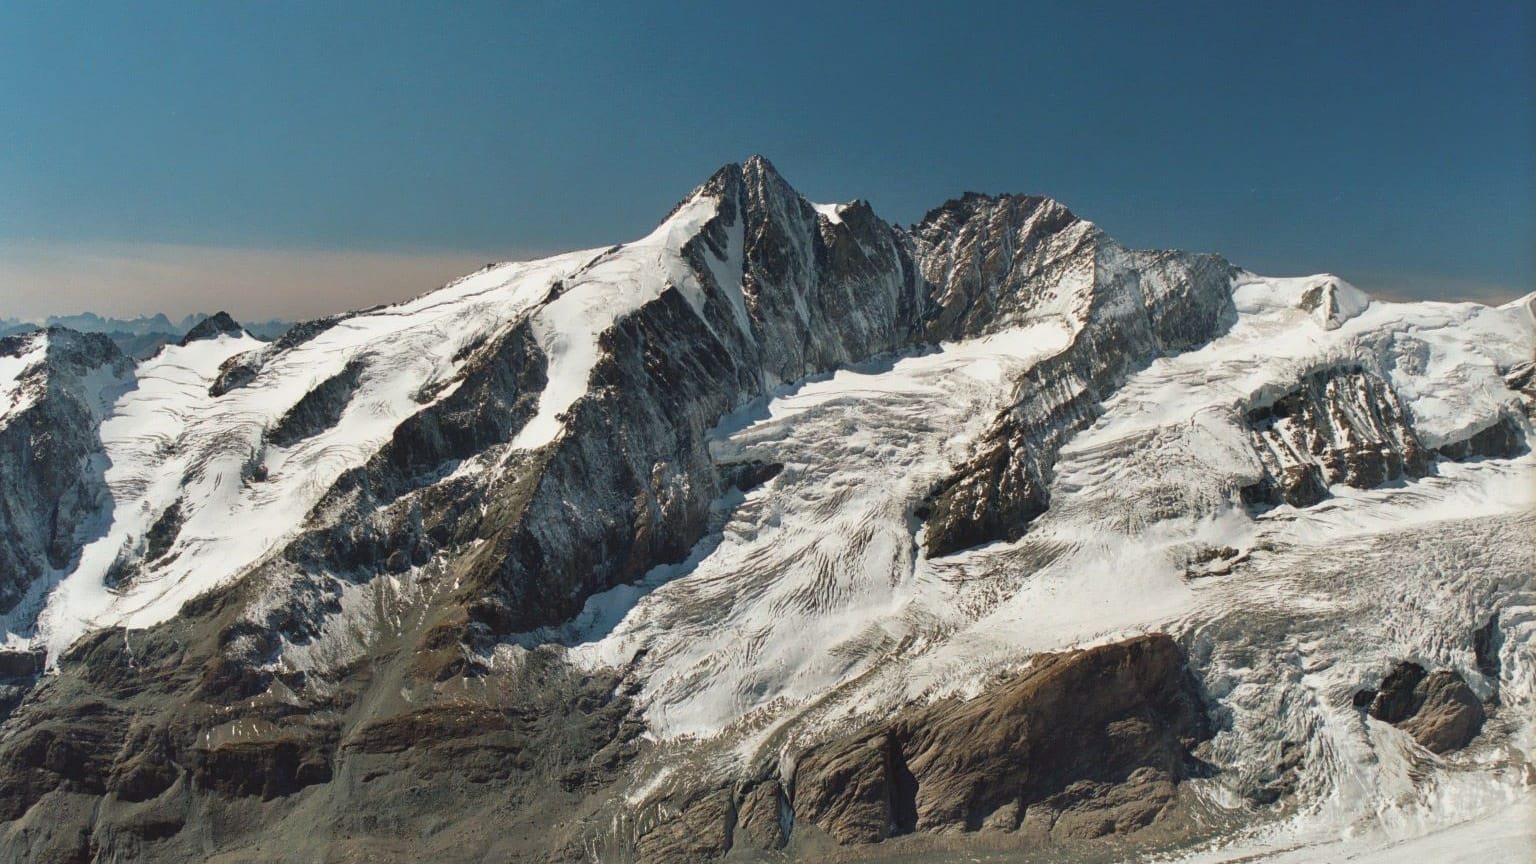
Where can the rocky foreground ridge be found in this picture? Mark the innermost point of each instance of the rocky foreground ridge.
(318, 599)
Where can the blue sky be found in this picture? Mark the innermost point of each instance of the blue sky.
(185, 156)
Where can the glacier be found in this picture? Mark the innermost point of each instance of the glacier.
(778, 471)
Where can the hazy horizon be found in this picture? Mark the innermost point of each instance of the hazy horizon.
(296, 285)
(289, 161)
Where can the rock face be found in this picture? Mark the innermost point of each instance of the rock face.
(50, 453)
(217, 324)
(1339, 426)
(1503, 439)
(1080, 745)
(1344, 424)
(1129, 308)
(1521, 378)
(1438, 709)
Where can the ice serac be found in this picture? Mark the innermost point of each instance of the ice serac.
(1001, 260)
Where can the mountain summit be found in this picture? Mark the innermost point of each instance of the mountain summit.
(779, 529)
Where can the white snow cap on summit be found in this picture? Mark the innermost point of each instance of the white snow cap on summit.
(1331, 300)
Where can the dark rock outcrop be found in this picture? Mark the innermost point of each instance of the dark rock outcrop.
(1486, 641)
(317, 410)
(1340, 425)
(1502, 439)
(51, 467)
(217, 324)
(1437, 708)
(1080, 745)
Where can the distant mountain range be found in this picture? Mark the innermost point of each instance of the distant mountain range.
(137, 337)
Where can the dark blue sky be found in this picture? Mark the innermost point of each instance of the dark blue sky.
(1393, 143)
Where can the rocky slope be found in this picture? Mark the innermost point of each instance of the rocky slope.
(780, 531)
(55, 386)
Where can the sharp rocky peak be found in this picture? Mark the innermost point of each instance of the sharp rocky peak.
(217, 324)
(973, 205)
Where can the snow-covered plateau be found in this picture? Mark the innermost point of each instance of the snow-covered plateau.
(783, 533)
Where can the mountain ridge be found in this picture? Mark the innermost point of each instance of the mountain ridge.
(712, 499)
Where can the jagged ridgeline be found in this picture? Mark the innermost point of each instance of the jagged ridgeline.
(781, 531)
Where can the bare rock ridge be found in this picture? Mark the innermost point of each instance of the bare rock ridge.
(219, 323)
(51, 453)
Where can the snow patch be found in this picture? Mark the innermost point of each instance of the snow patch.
(14, 397)
(832, 212)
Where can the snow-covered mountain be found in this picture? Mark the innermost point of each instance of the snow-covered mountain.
(140, 337)
(781, 531)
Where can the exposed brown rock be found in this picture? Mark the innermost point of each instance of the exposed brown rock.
(854, 790)
(276, 766)
(1438, 709)
(760, 817)
(695, 829)
(1450, 716)
(1079, 745)
(1337, 426)
(1395, 700)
